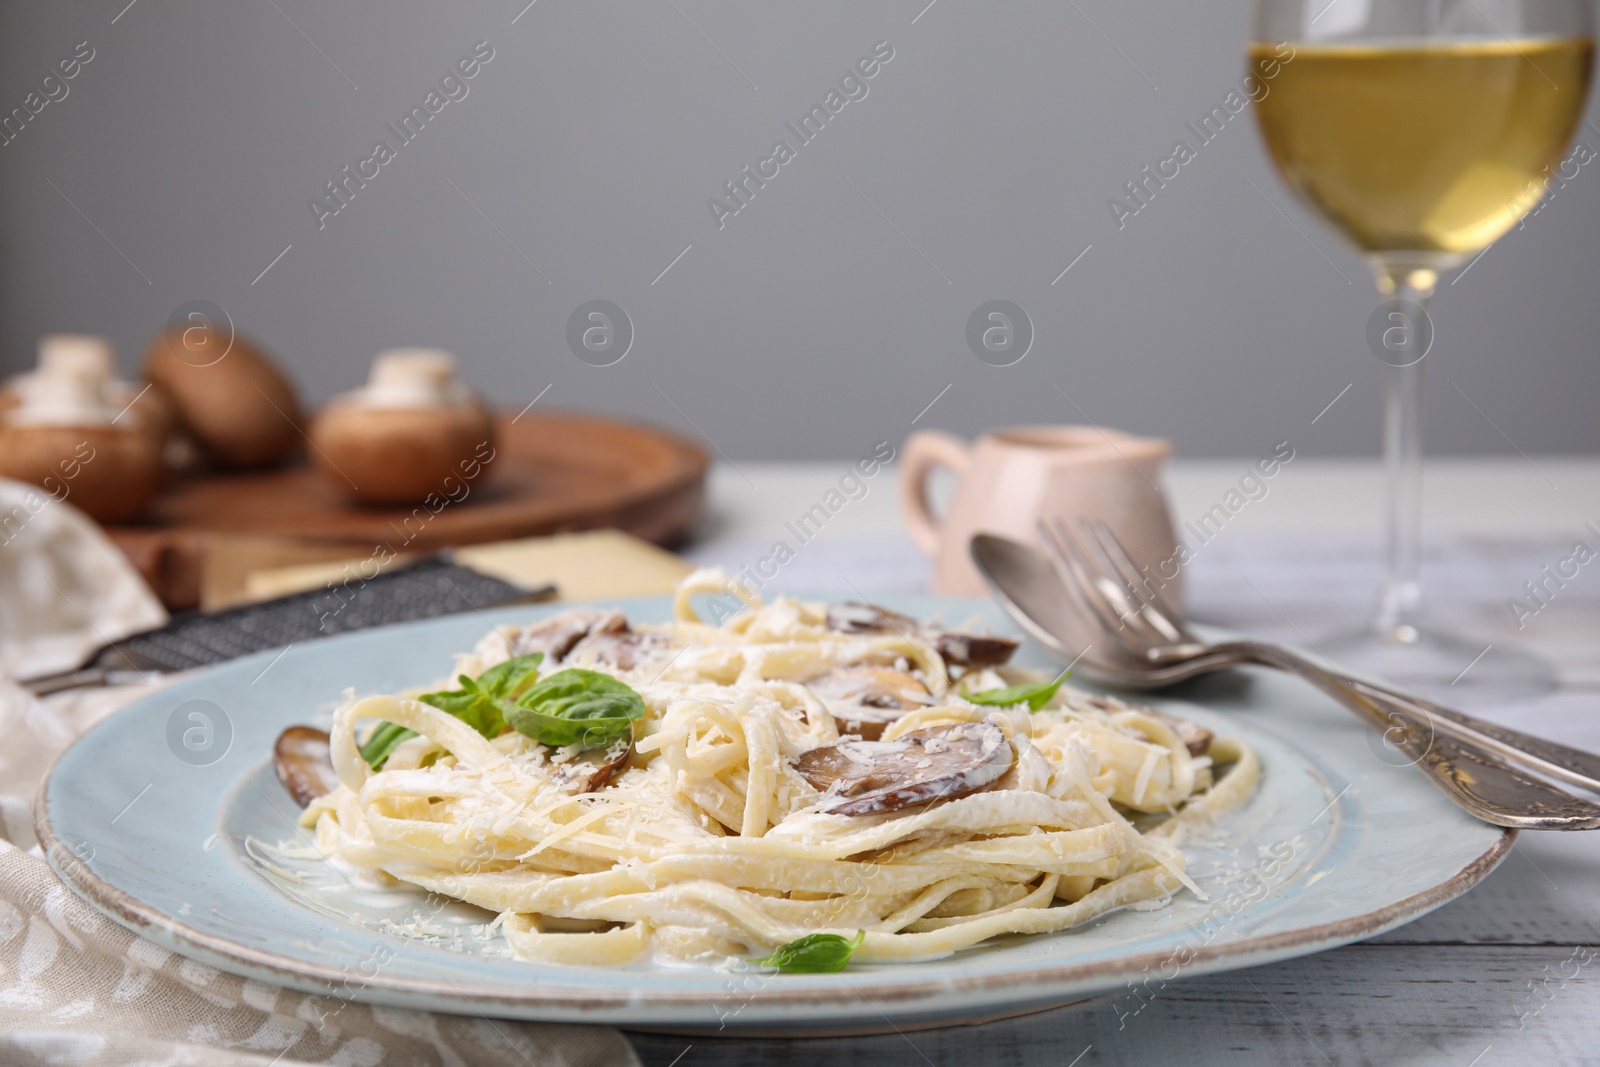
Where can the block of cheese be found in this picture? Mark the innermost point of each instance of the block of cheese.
(595, 565)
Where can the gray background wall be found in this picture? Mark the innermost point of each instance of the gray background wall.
(824, 316)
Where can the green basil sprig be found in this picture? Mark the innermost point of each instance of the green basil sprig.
(1034, 694)
(382, 742)
(508, 679)
(478, 703)
(576, 706)
(814, 954)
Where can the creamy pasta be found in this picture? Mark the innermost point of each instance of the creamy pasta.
(738, 816)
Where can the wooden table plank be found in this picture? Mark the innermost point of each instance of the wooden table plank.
(1547, 892)
(1375, 1003)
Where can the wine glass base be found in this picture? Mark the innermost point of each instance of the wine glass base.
(1441, 665)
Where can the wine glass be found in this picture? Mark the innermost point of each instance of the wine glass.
(1422, 130)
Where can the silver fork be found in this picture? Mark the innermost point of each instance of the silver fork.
(1464, 756)
(1168, 641)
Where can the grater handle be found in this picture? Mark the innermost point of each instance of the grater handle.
(85, 678)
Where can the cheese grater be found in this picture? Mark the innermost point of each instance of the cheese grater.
(425, 589)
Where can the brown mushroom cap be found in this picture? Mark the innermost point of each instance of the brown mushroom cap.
(152, 412)
(230, 398)
(940, 762)
(109, 472)
(301, 759)
(92, 361)
(399, 455)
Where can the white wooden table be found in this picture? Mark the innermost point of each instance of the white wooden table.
(1509, 974)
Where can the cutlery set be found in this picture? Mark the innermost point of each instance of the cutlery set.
(1083, 597)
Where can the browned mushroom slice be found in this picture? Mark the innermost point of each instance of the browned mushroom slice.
(937, 763)
(592, 769)
(623, 651)
(854, 617)
(974, 651)
(1196, 738)
(863, 700)
(873, 687)
(557, 635)
(956, 649)
(300, 757)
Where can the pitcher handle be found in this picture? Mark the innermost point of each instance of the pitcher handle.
(925, 450)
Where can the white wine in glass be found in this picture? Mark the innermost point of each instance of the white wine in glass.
(1425, 148)
(1422, 130)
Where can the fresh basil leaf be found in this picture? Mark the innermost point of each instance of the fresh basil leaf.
(382, 743)
(1034, 694)
(814, 954)
(558, 732)
(472, 705)
(476, 703)
(508, 678)
(576, 706)
(455, 701)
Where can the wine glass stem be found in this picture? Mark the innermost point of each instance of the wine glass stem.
(1400, 603)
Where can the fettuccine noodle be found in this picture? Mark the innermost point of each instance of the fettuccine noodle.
(709, 844)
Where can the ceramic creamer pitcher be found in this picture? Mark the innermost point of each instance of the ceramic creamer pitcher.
(1011, 477)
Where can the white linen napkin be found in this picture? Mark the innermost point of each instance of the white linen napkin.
(75, 987)
(65, 590)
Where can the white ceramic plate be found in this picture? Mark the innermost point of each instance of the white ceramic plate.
(178, 842)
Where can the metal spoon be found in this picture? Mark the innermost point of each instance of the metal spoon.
(1088, 602)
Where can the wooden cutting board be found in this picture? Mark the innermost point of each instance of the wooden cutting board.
(591, 565)
(553, 472)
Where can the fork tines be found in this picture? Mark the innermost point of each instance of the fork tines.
(1108, 582)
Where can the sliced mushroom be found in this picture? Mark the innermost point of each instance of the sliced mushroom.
(300, 757)
(973, 651)
(865, 723)
(557, 635)
(1196, 738)
(854, 617)
(592, 769)
(622, 650)
(937, 763)
(864, 700)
